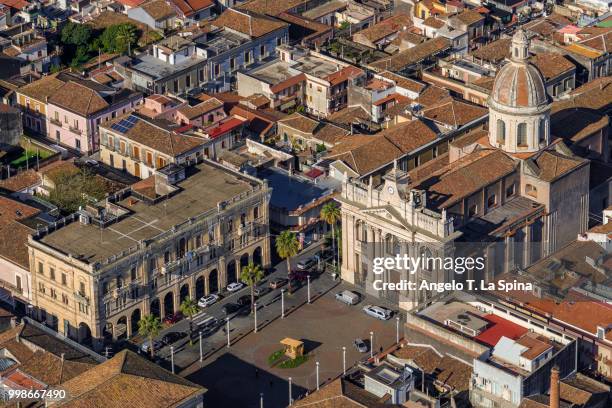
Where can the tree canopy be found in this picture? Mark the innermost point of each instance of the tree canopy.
(74, 189)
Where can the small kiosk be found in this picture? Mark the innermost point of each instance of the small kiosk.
(293, 348)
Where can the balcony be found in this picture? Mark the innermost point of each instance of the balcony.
(81, 298)
(56, 122)
(75, 130)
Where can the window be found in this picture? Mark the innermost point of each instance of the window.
(531, 190)
(279, 41)
(542, 131)
(75, 123)
(18, 283)
(41, 268)
(65, 119)
(166, 257)
(175, 85)
(52, 273)
(521, 134)
(114, 115)
(188, 81)
(217, 70)
(41, 287)
(64, 299)
(501, 131)
(77, 144)
(491, 201)
(232, 63)
(136, 152)
(112, 160)
(133, 273)
(510, 190)
(53, 294)
(198, 241)
(82, 288)
(473, 210)
(57, 136)
(247, 57)
(230, 225)
(201, 74)
(262, 50)
(255, 213)
(56, 116)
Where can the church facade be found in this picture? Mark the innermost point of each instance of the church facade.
(510, 195)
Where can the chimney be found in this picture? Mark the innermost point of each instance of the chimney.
(554, 387)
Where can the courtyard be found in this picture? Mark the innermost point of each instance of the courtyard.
(237, 376)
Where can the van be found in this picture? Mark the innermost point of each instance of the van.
(377, 312)
(348, 297)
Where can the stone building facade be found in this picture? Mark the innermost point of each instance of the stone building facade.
(185, 232)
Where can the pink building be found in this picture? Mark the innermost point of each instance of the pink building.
(204, 114)
(77, 108)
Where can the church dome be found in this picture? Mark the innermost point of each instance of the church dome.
(519, 107)
(519, 84)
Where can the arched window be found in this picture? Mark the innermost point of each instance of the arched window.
(542, 131)
(531, 190)
(521, 134)
(501, 131)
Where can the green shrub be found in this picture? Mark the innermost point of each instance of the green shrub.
(274, 357)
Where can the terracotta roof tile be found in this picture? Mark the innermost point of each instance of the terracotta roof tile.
(552, 65)
(20, 181)
(404, 82)
(406, 58)
(78, 98)
(189, 7)
(13, 234)
(202, 108)
(254, 25)
(386, 28)
(42, 88)
(455, 113)
(271, 8)
(158, 9)
(494, 52)
(553, 165)
(469, 17)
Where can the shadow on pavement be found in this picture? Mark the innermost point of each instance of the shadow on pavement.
(233, 382)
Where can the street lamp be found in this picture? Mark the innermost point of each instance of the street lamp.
(290, 395)
(343, 360)
(227, 329)
(371, 344)
(255, 307)
(397, 320)
(317, 376)
(172, 357)
(282, 303)
(201, 346)
(308, 277)
(261, 400)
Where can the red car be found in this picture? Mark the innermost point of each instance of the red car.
(301, 276)
(173, 318)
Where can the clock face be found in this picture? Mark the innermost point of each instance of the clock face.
(390, 189)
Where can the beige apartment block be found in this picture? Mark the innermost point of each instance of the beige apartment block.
(185, 232)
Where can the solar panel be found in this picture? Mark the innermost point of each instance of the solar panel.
(125, 124)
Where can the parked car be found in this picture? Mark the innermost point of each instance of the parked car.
(172, 337)
(306, 264)
(261, 290)
(230, 308)
(276, 283)
(235, 286)
(173, 318)
(294, 285)
(245, 300)
(299, 275)
(378, 312)
(144, 347)
(360, 346)
(348, 297)
(208, 300)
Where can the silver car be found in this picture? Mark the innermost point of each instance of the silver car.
(360, 346)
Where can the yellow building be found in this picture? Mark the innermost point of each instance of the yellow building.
(32, 99)
(427, 8)
(143, 251)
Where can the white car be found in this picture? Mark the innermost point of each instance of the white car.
(378, 312)
(235, 286)
(156, 346)
(208, 300)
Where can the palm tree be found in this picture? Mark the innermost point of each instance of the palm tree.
(189, 308)
(287, 245)
(126, 34)
(330, 213)
(149, 327)
(251, 275)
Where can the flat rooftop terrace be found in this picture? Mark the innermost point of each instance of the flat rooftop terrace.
(315, 66)
(274, 72)
(156, 68)
(205, 186)
(290, 192)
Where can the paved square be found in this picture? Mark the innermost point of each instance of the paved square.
(238, 377)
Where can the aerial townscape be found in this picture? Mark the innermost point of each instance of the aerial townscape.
(306, 203)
